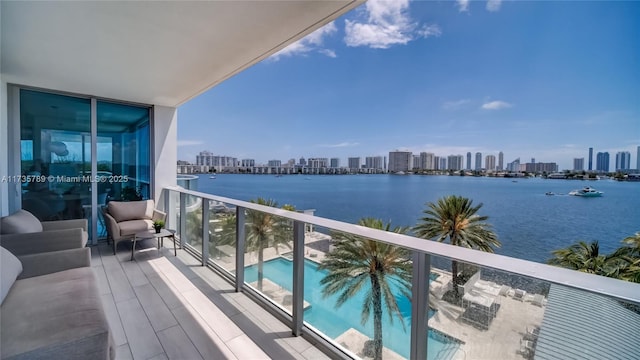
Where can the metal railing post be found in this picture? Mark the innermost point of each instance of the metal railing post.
(183, 219)
(420, 305)
(167, 208)
(239, 248)
(205, 231)
(298, 278)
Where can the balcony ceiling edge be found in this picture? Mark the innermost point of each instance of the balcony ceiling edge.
(162, 53)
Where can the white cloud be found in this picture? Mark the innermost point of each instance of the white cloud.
(463, 5)
(310, 43)
(339, 145)
(388, 23)
(190, 142)
(330, 53)
(456, 104)
(496, 105)
(494, 5)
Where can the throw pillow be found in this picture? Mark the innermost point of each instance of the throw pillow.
(10, 268)
(20, 222)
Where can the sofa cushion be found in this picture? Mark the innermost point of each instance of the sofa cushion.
(10, 268)
(130, 210)
(59, 315)
(20, 222)
(134, 226)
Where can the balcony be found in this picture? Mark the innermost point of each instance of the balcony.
(198, 303)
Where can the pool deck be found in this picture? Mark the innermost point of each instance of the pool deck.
(278, 294)
(500, 341)
(353, 340)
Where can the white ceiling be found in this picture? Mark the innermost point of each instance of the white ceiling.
(161, 53)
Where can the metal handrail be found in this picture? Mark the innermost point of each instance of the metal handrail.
(615, 288)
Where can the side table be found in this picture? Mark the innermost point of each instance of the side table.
(152, 234)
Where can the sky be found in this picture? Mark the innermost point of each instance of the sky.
(539, 79)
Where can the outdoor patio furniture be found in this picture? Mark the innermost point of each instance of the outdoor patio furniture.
(126, 218)
(538, 300)
(504, 290)
(22, 233)
(53, 308)
(519, 295)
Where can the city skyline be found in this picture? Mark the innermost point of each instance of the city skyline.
(448, 82)
(429, 160)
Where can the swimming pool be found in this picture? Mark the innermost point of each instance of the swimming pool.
(332, 321)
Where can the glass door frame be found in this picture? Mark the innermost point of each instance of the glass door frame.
(13, 137)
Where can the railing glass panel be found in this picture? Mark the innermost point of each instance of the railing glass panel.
(192, 233)
(222, 235)
(497, 307)
(358, 288)
(266, 267)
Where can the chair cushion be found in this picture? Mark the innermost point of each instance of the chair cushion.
(20, 222)
(55, 316)
(134, 226)
(10, 268)
(130, 210)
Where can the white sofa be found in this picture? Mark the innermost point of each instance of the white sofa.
(22, 233)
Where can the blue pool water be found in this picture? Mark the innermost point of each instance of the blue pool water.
(324, 316)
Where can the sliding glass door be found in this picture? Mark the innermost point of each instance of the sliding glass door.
(79, 153)
(55, 144)
(123, 152)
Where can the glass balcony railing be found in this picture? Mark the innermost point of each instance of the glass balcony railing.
(366, 293)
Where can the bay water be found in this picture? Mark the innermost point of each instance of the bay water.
(529, 223)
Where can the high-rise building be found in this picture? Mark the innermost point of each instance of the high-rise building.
(443, 163)
(318, 163)
(400, 161)
(427, 160)
(478, 160)
(468, 160)
(247, 163)
(455, 162)
(354, 163)
(274, 163)
(416, 162)
(602, 161)
(623, 160)
(578, 164)
(302, 162)
(590, 158)
(638, 158)
(490, 162)
(335, 163)
(514, 165)
(500, 161)
(436, 163)
(374, 162)
(216, 161)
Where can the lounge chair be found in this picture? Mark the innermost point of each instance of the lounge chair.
(504, 290)
(533, 331)
(519, 295)
(538, 300)
(527, 348)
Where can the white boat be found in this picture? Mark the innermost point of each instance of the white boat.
(212, 177)
(586, 192)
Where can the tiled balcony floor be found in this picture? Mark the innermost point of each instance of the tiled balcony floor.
(166, 307)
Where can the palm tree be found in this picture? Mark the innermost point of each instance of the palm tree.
(454, 218)
(587, 258)
(224, 234)
(623, 263)
(358, 263)
(634, 243)
(266, 230)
